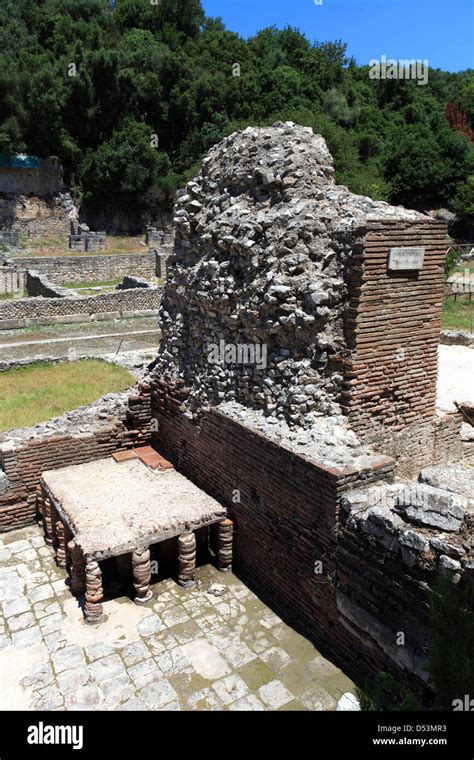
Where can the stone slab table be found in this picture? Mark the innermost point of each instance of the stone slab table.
(108, 509)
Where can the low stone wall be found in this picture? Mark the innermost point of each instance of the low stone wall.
(39, 285)
(457, 338)
(10, 238)
(12, 281)
(19, 313)
(91, 268)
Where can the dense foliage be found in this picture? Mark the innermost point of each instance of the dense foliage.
(130, 94)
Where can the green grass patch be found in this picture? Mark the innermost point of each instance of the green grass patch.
(40, 391)
(92, 284)
(6, 296)
(458, 314)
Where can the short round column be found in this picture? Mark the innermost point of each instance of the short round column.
(46, 510)
(61, 553)
(93, 612)
(187, 559)
(142, 575)
(78, 568)
(225, 534)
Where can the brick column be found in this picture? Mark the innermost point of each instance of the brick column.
(142, 575)
(187, 559)
(93, 612)
(225, 531)
(78, 569)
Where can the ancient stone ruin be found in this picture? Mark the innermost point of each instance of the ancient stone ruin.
(264, 239)
(296, 385)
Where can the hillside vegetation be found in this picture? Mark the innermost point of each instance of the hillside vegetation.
(130, 95)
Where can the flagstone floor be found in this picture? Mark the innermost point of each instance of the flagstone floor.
(188, 650)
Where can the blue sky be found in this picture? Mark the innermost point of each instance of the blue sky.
(440, 30)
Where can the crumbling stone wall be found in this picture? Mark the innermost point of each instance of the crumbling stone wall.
(37, 217)
(263, 245)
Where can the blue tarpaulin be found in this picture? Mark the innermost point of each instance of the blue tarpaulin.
(19, 161)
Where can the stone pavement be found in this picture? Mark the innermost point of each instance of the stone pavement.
(188, 650)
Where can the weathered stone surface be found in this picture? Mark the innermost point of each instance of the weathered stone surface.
(432, 507)
(450, 477)
(262, 239)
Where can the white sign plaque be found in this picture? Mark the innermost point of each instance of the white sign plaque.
(406, 258)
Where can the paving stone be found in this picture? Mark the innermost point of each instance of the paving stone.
(27, 638)
(43, 609)
(144, 672)
(73, 679)
(18, 546)
(98, 649)
(52, 699)
(135, 652)
(275, 694)
(5, 555)
(172, 661)
(85, 698)
(5, 640)
(40, 593)
(230, 688)
(205, 699)
(149, 625)
(186, 632)
(161, 642)
(107, 668)
(209, 622)
(249, 703)
(174, 616)
(40, 676)
(134, 704)
(19, 622)
(55, 641)
(117, 690)
(256, 673)
(16, 607)
(158, 694)
(37, 541)
(69, 657)
(52, 623)
(276, 658)
(317, 698)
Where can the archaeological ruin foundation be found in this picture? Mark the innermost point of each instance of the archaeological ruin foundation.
(295, 384)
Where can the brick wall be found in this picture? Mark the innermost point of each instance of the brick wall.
(392, 328)
(286, 520)
(91, 268)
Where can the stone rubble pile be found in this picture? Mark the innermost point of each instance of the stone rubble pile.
(262, 241)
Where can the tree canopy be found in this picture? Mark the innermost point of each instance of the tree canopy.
(129, 94)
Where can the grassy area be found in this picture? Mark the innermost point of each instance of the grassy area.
(59, 246)
(6, 296)
(37, 393)
(459, 314)
(86, 288)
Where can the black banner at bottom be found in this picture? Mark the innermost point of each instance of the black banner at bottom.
(98, 734)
